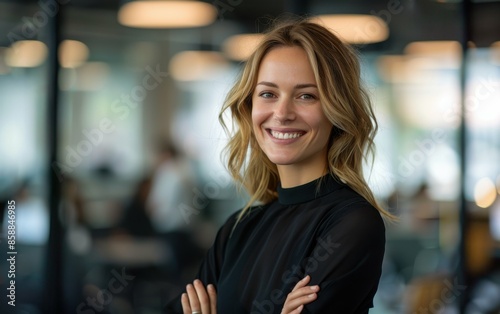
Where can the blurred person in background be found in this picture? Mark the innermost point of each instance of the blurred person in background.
(172, 186)
(136, 220)
(78, 237)
(315, 243)
(78, 241)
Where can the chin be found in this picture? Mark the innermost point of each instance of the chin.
(281, 160)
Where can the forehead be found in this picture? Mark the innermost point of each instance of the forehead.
(284, 62)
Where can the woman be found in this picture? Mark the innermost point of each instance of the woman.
(316, 243)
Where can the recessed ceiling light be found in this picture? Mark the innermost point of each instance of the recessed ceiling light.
(447, 47)
(485, 193)
(240, 47)
(166, 14)
(72, 53)
(26, 54)
(447, 53)
(196, 65)
(355, 28)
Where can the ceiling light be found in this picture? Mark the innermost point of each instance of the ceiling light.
(26, 54)
(444, 47)
(446, 54)
(403, 69)
(485, 193)
(355, 28)
(166, 14)
(196, 65)
(240, 47)
(72, 53)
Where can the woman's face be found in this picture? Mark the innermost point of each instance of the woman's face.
(288, 121)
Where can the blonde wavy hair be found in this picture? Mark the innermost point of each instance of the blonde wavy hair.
(344, 101)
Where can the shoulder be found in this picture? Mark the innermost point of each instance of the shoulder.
(249, 216)
(234, 219)
(240, 224)
(228, 226)
(355, 217)
(362, 216)
(345, 202)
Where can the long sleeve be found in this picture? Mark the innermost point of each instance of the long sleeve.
(325, 230)
(346, 261)
(210, 268)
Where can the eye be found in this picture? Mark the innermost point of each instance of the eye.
(266, 95)
(307, 97)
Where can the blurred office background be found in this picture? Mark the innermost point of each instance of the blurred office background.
(138, 190)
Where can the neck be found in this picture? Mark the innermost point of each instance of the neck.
(294, 175)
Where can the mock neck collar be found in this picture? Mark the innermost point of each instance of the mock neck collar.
(308, 191)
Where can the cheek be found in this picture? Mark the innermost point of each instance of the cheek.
(258, 116)
(255, 118)
(317, 120)
(322, 126)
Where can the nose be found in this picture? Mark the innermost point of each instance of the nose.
(284, 110)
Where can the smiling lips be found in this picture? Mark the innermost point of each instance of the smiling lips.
(285, 135)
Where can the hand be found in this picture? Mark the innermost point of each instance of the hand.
(197, 299)
(300, 295)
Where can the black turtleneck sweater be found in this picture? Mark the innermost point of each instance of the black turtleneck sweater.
(322, 228)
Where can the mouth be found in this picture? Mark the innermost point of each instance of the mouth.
(285, 135)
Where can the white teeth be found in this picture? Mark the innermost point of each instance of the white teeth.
(284, 136)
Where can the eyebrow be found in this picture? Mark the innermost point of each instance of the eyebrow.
(298, 86)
